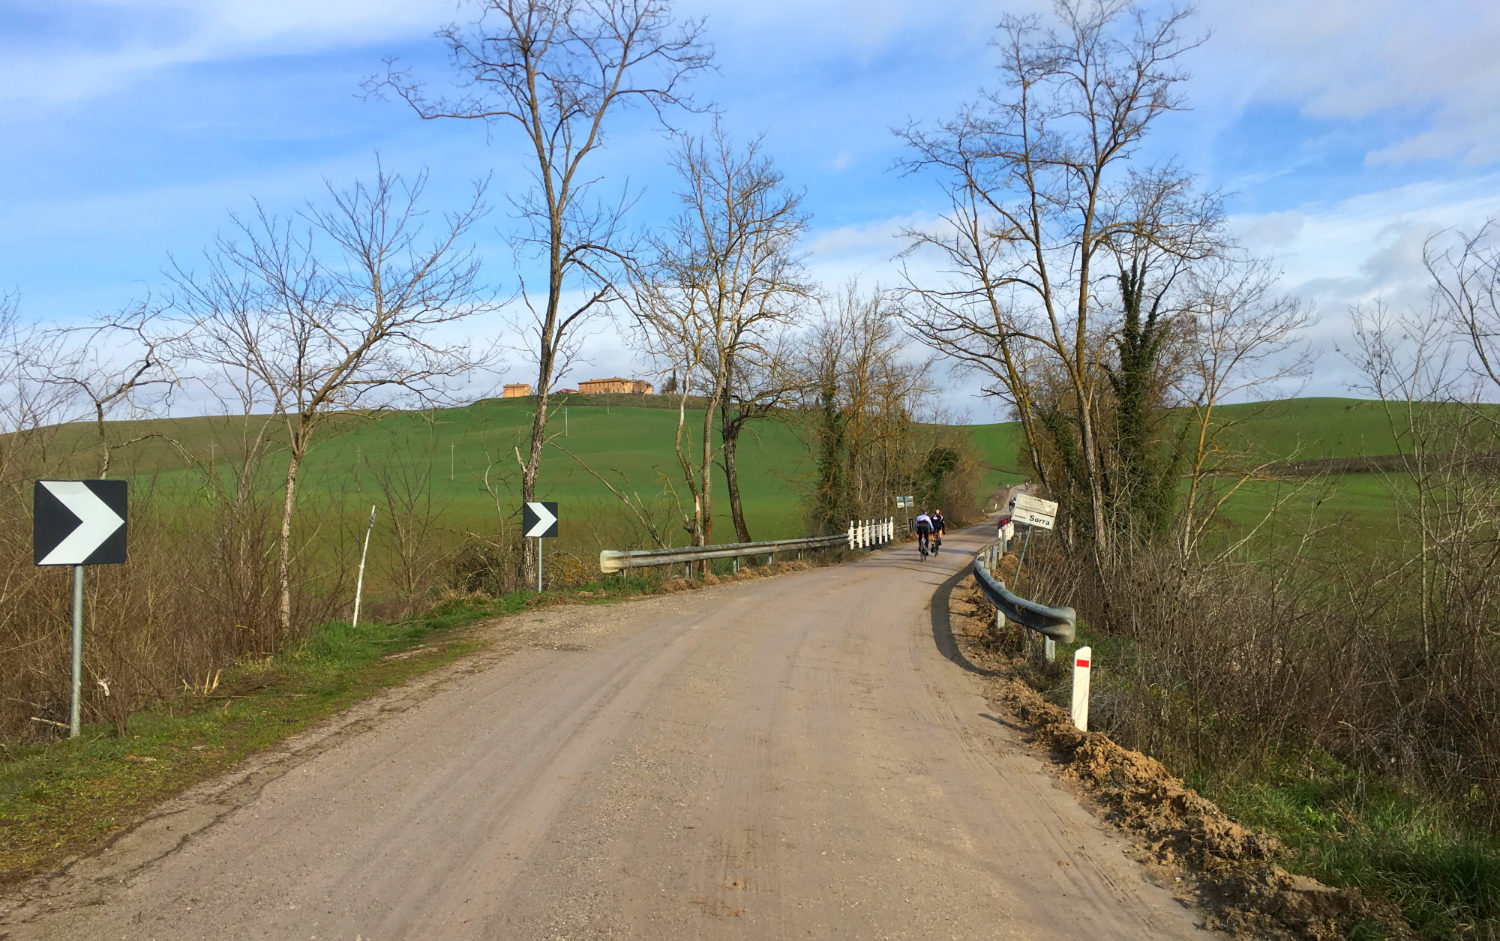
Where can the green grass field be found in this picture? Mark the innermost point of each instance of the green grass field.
(464, 454)
(464, 460)
(464, 451)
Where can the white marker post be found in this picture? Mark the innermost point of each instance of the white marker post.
(359, 583)
(1082, 658)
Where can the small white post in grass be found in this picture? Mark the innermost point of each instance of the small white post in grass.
(359, 583)
(1051, 649)
(1081, 665)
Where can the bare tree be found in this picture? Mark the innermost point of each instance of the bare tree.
(1421, 364)
(1039, 182)
(716, 299)
(110, 367)
(348, 313)
(1241, 335)
(27, 406)
(408, 530)
(1465, 275)
(760, 386)
(554, 70)
(861, 398)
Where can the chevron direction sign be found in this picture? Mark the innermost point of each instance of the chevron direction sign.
(539, 520)
(79, 522)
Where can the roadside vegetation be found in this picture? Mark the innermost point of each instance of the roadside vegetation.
(1294, 603)
(1298, 614)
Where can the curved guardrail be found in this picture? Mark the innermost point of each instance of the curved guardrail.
(1059, 624)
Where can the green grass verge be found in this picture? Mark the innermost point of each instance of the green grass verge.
(1341, 828)
(68, 797)
(1344, 831)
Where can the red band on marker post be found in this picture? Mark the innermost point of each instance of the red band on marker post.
(1080, 663)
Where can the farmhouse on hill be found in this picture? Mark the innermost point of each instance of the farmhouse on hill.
(616, 384)
(515, 390)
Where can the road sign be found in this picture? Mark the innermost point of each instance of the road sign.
(905, 502)
(539, 520)
(1034, 511)
(78, 522)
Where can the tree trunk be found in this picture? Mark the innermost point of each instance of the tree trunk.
(732, 482)
(1102, 541)
(529, 473)
(706, 477)
(284, 567)
(695, 532)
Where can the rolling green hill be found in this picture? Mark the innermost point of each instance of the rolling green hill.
(466, 457)
(464, 460)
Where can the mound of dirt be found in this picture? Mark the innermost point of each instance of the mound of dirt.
(1229, 870)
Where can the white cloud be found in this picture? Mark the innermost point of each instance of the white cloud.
(1351, 59)
(70, 63)
(1375, 237)
(1360, 250)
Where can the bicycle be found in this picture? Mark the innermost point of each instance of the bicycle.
(922, 549)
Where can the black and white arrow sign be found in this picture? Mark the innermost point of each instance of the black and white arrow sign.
(539, 520)
(79, 522)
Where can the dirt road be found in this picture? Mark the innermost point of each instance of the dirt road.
(787, 757)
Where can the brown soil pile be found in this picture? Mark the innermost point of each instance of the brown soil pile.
(1229, 870)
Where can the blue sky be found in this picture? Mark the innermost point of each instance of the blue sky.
(1345, 133)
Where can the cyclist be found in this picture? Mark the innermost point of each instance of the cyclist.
(923, 525)
(939, 526)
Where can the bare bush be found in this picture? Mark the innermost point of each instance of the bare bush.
(349, 314)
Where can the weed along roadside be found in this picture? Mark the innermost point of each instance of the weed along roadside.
(1230, 871)
(63, 799)
(1307, 849)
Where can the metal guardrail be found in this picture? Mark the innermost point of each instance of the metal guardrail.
(862, 534)
(611, 560)
(1058, 624)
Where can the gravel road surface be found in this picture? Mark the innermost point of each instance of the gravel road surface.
(784, 757)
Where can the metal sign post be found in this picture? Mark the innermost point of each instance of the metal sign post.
(78, 523)
(75, 711)
(1021, 560)
(539, 521)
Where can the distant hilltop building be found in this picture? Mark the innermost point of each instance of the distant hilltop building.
(617, 384)
(515, 390)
